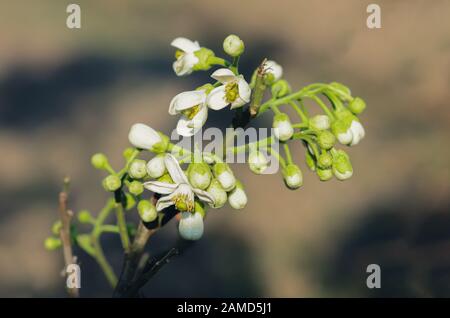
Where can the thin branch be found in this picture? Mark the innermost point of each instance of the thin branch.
(66, 216)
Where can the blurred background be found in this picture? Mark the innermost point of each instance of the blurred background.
(66, 94)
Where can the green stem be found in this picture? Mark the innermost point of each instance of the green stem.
(95, 239)
(323, 106)
(288, 153)
(122, 225)
(300, 113)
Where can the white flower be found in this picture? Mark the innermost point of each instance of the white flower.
(274, 68)
(156, 167)
(180, 193)
(235, 90)
(186, 58)
(192, 106)
(143, 136)
(191, 226)
(237, 198)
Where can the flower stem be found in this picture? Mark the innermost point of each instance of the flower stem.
(121, 223)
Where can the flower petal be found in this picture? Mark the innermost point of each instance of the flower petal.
(217, 99)
(186, 100)
(160, 187)
(223, 75)
(174, 169)
(204, 196)
(274, 68)
(185, 45)
(164, 202)
(184, 65)
(244, 89)
(183, 128)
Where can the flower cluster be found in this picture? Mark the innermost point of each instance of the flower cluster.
(186, 183)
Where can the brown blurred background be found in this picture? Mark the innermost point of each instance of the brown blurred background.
(65, 94)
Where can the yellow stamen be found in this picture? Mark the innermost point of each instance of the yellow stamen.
(231, 91)
(178, 54)
(182, 203)
(191, 112)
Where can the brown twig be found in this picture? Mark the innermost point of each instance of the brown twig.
(66, 216)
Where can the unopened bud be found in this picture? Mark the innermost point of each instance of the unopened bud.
(237, 197)
(325, 160)
(224, 175)
(99, 161)
(283, 129)
(342, 168)
(257, 161)
(137, 169)
(319, 122)
(233, 45)
(52, 243)
(84, 216)
(191, 226)
(293, 176)
(280, 88)
(326, 139)
(357, 105)
(216, 190)
(156, 166)
(111, 183)
(324, 174)
(135, 187)
(199, 175)
(147, 211)
(56, 227)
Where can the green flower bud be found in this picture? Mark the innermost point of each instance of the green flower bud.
(85, 242)
(56, 227)
(342, 168)
(319, 122)
(310, 161)
(128, 152)
(280, 88)
(216, 190)
(326, 139)
(257, 161)
(84, 216)
(224, 175)
(283, 129)
(52, 243)
(324, 174)
(137, 169)
(325, 160)
(147, 211)
(293, 176)
(357, 105)
(99, 161)
(130, 201)
(199, 175)
(136, 187)
(111, 183)
(203, 56)
(237, 197)
(233, 45)
(343, 91)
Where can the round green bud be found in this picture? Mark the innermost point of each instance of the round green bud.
(280, 88)
(52, 243)
(293, 176)
(326, 139)
(147, 211)
(112, 183)
(233, 45)
(199, 175)
(136, 187)
(128, 152)
(84, 216)
(204, 62)
(137, 169)
(325, 160)
(257, 161)
(99, 161)
(216, 190)
(357, 105)
(319, 122)
(342, 167)
(324, 174)
(56, 227)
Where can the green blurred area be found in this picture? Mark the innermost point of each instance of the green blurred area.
(65, 94)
